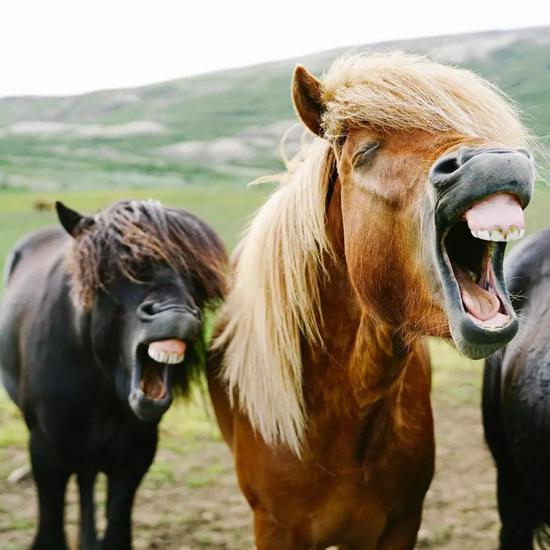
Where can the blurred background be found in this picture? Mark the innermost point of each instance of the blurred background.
(192, 104)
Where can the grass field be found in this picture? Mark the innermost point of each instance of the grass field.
(189, 498)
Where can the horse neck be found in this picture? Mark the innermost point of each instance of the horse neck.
(362, 360)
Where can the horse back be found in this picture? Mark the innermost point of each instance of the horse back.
(42, 244)
(33, 264)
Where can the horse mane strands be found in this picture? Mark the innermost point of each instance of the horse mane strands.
(275, 298)
(397, 91)
(129, 236)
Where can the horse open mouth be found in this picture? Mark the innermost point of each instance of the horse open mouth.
(474, 248)
(152, 375)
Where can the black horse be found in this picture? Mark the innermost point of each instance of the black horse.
(516, 401)
(95, 333)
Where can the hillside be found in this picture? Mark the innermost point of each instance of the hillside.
(224, 126)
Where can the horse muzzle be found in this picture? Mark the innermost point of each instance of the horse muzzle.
(478, 197)
(162, 342)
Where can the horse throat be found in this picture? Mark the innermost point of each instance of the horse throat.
(362, 359)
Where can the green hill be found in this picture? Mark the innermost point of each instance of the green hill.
(224, 126)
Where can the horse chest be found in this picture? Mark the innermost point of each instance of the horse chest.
(78, 411)
(336, 495)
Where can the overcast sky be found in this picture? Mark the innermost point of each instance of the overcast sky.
(73, 46)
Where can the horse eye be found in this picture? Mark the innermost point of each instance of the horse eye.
(364, 154)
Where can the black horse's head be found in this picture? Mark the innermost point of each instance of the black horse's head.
(143, 275)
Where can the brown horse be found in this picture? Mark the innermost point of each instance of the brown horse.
(388, 227)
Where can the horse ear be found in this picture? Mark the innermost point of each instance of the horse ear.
(72, 221)
(306, 96)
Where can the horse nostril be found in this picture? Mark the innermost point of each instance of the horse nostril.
(442, 170)
(148, 309)
(447, 166)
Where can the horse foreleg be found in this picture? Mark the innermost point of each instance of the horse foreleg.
(123, 482)
(88, 535)
(120, 501)
(519, 519)
(51, 478)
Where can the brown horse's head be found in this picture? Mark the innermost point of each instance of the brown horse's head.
(416, 178)
(432, 175)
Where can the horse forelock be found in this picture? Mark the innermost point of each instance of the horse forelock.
(130, 236)
(397, 91)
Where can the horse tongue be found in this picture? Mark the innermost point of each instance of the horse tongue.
(500, 211)
(152, 385)
(480, 303)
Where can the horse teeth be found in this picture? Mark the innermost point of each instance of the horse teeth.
(515, 234)
(164, 357)
(512, 235)
(481, 234)
(497, 234)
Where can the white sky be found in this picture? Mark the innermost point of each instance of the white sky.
(73, 46)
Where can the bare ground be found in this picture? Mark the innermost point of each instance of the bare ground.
(190, 500)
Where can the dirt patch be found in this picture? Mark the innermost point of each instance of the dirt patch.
(190, 500)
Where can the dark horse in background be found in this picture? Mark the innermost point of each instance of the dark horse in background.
(96, 331)
(516, 401)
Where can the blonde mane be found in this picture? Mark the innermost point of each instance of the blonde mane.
(274, 300)
(407, 92)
